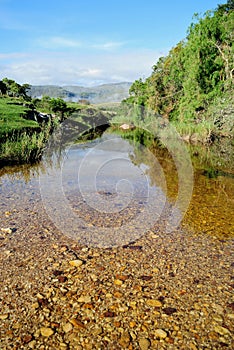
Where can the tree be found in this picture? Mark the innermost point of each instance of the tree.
(16, 90)
(58, 105)
(3, 88)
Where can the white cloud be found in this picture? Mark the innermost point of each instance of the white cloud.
(84, 69)
(108, 45)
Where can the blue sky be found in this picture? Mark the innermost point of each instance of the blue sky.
(73, 42)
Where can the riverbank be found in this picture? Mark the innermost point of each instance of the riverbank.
(22, 139)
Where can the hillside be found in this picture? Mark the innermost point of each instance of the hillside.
(97, 94)
(193, 86)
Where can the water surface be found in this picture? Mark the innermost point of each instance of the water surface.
(117, 186)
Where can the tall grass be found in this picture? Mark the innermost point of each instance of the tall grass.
(24, 148)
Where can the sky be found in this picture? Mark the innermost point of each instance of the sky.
(88, 43)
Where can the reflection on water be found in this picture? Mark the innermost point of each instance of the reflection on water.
(210, 210)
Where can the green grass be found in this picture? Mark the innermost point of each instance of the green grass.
(11, 120)
(21, 140)
(24, 148)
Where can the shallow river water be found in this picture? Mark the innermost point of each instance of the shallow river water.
(109, 192)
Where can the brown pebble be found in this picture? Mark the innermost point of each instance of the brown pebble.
(77, 323)
(109, 314)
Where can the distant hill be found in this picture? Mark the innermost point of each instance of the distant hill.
(115, 92)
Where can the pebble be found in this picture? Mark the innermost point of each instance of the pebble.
(46, 332)
(97, 330)
(160, 333)
(7, 230)
(76, 263)
(144, 344)
(67, 327)
(230, 316)
(118, 282)
(4, 316)
(84, 299)
(125, 340)
(77, 323)
(154, 303)
(221, 330)
(32, 344)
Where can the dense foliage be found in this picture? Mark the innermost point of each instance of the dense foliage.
(196, 71)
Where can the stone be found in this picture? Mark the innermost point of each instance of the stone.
(97, 330)
(154, 303)
(84, 299)
(230, 316)
(125, 340)
(118, 282)
(6, 230)
(76, 263)
(4, 316)
(32, 344)
(144, 344)
(77, 323)
(221, 330)
(160, 333)
(46, 332)
(67, 327)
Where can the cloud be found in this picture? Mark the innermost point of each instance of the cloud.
(87, 69)
(108, 45)
(59, 42)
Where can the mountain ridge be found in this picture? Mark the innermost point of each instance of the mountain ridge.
(113, 92)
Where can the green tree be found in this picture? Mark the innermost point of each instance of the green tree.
(3, 88)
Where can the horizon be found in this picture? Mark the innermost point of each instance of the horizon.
(89, 87)
(80, 44)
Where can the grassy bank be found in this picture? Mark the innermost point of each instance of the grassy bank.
(11, 118)
(24, 147)
(21, 140)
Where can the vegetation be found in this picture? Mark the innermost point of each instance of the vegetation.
(195, 77)
(22, 136)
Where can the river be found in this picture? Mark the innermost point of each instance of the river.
(111, 191)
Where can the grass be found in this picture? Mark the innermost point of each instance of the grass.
(21, 140)
(24, 148)
(11, 120)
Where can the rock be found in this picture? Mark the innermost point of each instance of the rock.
(27, 339)
(221, 330)
(46, 332)
(219, 309)
(125, 340)
(109, 314)
(6, 230)
(144, 344)
(169, 310)
(84, 299)
(127, 127)
(67, 327)
(97, 330)
(118, 282)
(76, 263)
(77, 323)
(154, 303)
(4, 316)
(32, 344)
(160, 333)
